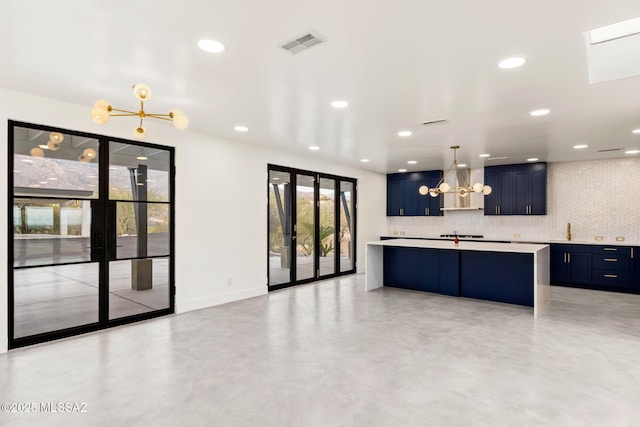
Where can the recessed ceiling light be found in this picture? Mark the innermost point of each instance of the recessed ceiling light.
(52, 179)
(484, 155)
(339, 104)
(44, 182)
(314, 148)
(540, 112)
(112, 168)
(632, 152)
(462, 165)
(412, 162)
(275, 178)
(498, 158)
(364, 160)
(580, 147)
(532, 159)
(15, 171)
(402, 170)
(405, 133)
(211, 46)
(142, 158)
(44, 146)
(514, 62)
(636, 131)
(241, 128)
(27, 160)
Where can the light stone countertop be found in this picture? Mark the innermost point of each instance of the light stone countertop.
(525, 241)
(462, 246)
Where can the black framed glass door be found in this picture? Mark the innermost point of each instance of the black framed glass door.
(67, 216)
(307, 225)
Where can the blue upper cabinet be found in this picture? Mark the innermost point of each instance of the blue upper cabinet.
(403, 198)
(517, 189)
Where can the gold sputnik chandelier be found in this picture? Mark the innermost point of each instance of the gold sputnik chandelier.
(462, 189)
(103, 111)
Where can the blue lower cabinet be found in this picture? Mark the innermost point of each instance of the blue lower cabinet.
(412, 268)
(497, 276)
(449, 273)
(611, 278)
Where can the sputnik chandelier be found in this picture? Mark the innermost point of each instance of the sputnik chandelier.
(463, 189)
(102, 111)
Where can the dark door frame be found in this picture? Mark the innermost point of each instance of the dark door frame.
(99, 235)
(293, 172)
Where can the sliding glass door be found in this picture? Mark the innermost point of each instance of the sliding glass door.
(311, 231)
(91, 233)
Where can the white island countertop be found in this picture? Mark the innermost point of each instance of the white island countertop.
(530, 248)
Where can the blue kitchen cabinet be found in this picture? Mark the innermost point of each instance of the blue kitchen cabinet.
(635, 268)
(427, 205)
(571, 264)
(403, 198)
(417, 269)
(519, 189)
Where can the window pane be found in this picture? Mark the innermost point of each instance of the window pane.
(52, 298)
(138, 173)
(54, 164)
(152, 218)
(305, 223)
(346, 226)
(327, 226)
(138, 286)
(51, 231)
(279, 228)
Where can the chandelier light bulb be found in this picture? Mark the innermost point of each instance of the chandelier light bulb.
(433, 193)
(478, 187)
(83, 158)
(100, 115)
(487, 190)
(444, 187)
(102, 104)
(142, 92)
(37, 152)
(139, 133)
(180, 121)
(423, 190)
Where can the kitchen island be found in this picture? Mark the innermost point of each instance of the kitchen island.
(505, 272)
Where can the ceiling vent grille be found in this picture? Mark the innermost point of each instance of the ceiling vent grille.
(301, 43)
(434, 122)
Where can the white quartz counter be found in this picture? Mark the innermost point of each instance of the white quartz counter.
(530, 248)
(606, 242)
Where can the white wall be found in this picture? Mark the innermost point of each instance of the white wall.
(218, 181)
(597, 197)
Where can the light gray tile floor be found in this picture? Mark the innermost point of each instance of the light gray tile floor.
(329, 354)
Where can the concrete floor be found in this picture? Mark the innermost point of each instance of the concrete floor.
(329, 354)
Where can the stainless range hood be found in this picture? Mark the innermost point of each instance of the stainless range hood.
(463, 179)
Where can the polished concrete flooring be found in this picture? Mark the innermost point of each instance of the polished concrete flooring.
(329, 354)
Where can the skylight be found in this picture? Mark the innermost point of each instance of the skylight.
(615, 31)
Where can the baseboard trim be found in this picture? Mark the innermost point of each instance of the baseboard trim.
(213, 300)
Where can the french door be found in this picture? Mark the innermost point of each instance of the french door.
(91, 232)
(311, 226)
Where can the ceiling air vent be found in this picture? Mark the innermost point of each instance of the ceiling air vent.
(301, 43)
(606, 150)
(434, 122)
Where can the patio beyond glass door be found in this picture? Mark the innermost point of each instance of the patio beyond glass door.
(311, 226)
(305, 227)
(92, 226)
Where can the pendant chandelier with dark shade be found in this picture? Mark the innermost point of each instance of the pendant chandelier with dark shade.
(102, 111)
(462, 189)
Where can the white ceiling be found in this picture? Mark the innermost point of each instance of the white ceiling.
(397, 62)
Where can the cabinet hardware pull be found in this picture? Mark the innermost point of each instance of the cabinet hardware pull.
(569, 257)
(631, 253)
(611, 259)
(565, 257)
(611, 276)
(610, 249)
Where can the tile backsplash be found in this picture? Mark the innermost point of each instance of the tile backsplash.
(597, 197)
